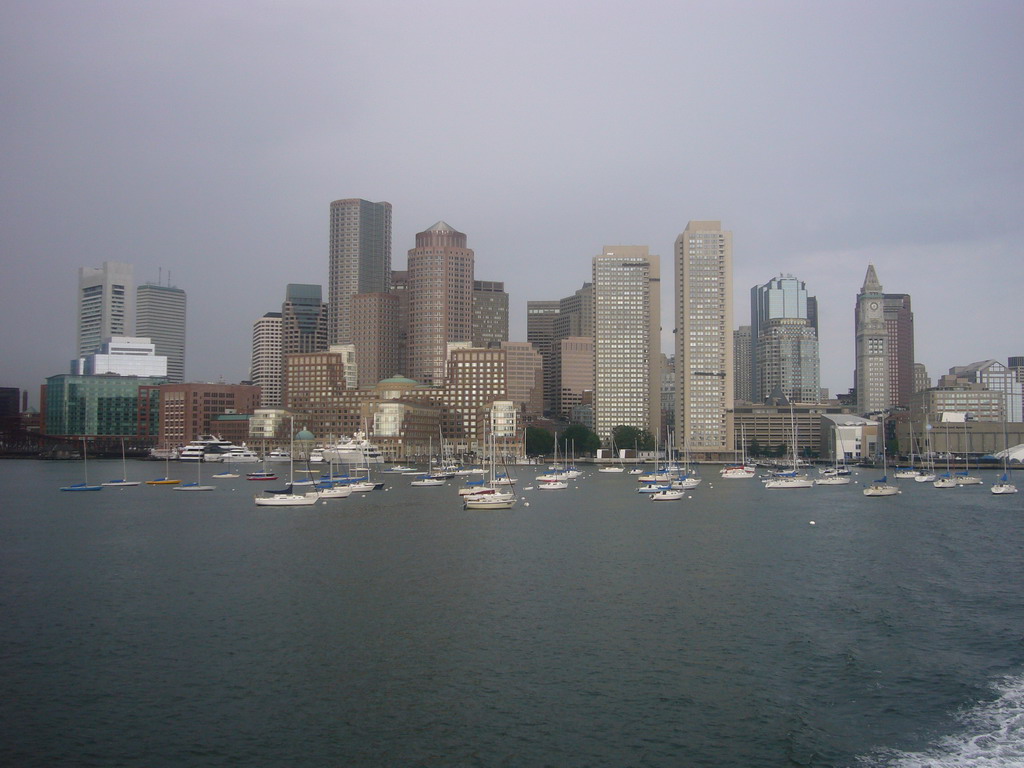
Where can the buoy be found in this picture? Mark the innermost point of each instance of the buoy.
(526, 503)
(812, 522)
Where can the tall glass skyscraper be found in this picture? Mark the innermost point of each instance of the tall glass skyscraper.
(359, 259)
(784, 341)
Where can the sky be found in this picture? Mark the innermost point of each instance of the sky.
(205, 141)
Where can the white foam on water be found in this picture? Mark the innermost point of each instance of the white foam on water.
(992, 735)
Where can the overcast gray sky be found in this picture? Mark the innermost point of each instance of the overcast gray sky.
(208, 139)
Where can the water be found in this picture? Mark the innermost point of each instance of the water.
(144, 627)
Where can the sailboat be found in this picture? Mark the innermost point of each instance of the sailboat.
(85, 469)
(790, 479)
(166, 479)
(1003, 484)
(613, 468)
(965, 477)
(741, 471)
(198, 484)
(881, 486)
(124, 482)
(556, 478)
(927, 473)
(490, 498)
(290, 499)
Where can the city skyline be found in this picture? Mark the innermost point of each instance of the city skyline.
(224, 183)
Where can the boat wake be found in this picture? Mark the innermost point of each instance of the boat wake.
(992, 735)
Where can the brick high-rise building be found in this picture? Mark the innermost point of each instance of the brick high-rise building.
(440, 300)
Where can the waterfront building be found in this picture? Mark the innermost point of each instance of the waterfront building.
(768, 428)
(187, 410)
(704, 352)
(490, 313)
(359, 259)
(784, 340)
(125, 356)
(107, 405)
(303, 319)
(265, 371)
(742, 364)
(541, 317)
(106, 304)
(160, 317)
(440, 299)
(476, 378)
(872, 376)
(375, 336)
(958, 394)
(847, 437)
(627, 339)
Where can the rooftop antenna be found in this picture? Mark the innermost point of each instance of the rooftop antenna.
(160, 280)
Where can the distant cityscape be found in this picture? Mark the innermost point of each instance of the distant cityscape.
(410, 358)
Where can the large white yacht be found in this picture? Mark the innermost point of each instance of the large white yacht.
(203, 447)
(353, 450)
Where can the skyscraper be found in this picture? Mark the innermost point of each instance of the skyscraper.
(266, 372)
(704, 352)
(359, 259)
(899, 327)
(872, 375)
(303, 319)
(160, 316)
(541, 318)
(375, 336)
(627, 339)
(742, 355)
(784, 341)
(106, 304)
(490, 313)
(440, 300)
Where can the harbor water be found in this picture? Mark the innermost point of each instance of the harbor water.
(585, 627)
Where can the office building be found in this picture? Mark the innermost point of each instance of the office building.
(627, 339)
(899, 329)
(265, 371)
(742, 364)
(106, 405)
(303, 319)
(921, 378)
(490, 313)
(160, 317)
(541, 318)
(995, 377)
(375, 336)
(106, 304)
(188, 410)
(784, 341)
(575, 374)
(525, 370)
(125, 356)
(872, 373)
(359, 259)
(440, 300)
(704, 351)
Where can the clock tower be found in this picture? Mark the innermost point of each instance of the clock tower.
(872, 347)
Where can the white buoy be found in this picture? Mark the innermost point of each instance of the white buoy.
(526, 503)
(812, 522)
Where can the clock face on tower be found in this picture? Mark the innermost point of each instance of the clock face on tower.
(873, 305)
